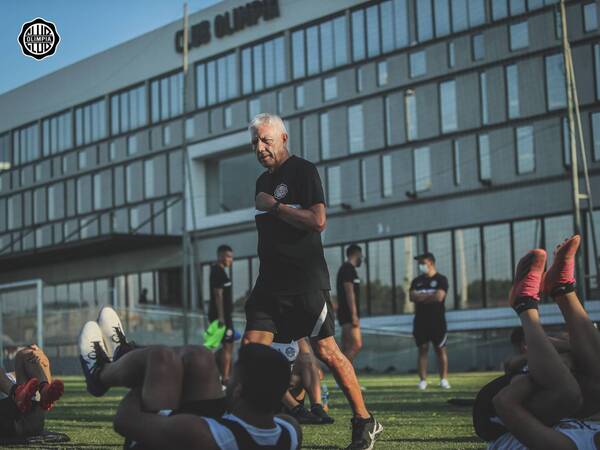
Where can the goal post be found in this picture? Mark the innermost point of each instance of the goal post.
(5, 290)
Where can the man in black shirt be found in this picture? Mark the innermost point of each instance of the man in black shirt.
(348, 292)
(428, 292)
(291, 295)
(221, 307)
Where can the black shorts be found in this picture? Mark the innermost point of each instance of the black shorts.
(291, 316)
(434, 331)
(9, 414)
(344, 316)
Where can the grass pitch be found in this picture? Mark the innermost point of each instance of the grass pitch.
(412, 419)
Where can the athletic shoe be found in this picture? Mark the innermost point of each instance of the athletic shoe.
(444, 384)
(320, 412)
(305, 417)
(422, 385)
(525, 291)
(364, 433)
(93, 357)
(560, 277)
(113, 334)
(50, 393)
(24, 393)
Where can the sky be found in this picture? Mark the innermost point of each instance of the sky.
(85, 27)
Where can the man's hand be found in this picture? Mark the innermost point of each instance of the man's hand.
(355, 321)
(264, 201)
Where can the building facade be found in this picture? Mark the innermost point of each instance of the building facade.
(436, 125)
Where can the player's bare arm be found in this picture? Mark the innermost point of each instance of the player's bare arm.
(218, 294)
(311, 219)
(349, 290)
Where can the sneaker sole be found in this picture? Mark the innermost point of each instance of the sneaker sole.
(376, 433)
(569, 249)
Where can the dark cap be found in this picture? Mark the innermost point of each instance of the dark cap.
(426, 255)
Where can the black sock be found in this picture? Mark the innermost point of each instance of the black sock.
(562, 289)
(525, 303)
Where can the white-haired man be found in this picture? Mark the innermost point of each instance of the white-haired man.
(291, 294)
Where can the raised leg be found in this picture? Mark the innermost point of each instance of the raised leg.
(31, 362)
(201, 375)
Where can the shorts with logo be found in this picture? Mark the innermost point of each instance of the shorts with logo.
(434, 331)
(291, 316)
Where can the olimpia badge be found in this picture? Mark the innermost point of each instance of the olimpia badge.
(38, 38)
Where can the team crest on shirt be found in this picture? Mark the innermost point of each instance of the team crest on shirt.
(433, 283)
(280, 191)
(290, 352)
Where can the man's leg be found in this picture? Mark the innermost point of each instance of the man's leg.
(351, 341)
(309, 371)
(442, 359)
(31, 362)
(200, 375)
(158, 369)
(422, 361)
(226, 361)
(328, 351)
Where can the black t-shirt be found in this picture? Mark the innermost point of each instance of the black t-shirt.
(291, 259)
(220, 280)
(428, 285)
(347, 274)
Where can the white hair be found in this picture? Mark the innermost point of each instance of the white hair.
(267, 119)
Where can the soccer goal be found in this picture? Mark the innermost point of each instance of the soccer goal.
(21, 315)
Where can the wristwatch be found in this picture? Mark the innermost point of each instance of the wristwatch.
(275, 208)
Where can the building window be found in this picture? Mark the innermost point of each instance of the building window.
(298, 55)
(596, 135)
(127, 109)
(519, 36)
(418, 64)
(451, 54)
(499, 9)
(359, 50)
(258, 68)
(217, 80)
(448, 106)
(325, 142)
(382, 73)
(478, 47)
(26, 147)
(319, 47)
(359, 79)
(5, 158)
(334, 186)
(590, 16)
(167, 97)
(166, 135)
(356, 128)
(132, 144)
(387, 176)
(484, 156)
(442, 17)
(112, 150)
(82, 157)
(456, 159)
(424, 20)
(517, 7)
(373, 31)
(410, 105)
(386, 12)
(57, 134)
(253, 107)
(525, 150)
(483, 92)
(459, 15)
(555, 82)
(597, 69)
(189, 128)
(329, 88)
(512, 88)
(364, 194)
(228, 117)
(149, 179)
(422, 169)
(566, 140)
(299, 94)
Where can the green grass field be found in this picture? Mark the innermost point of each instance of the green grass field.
(412, 419)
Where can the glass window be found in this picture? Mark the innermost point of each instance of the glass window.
(401, 23)
(596, 135)
(460, 17)
(597, 69)
(299, 91)
(424, 20)
(387, 26)
(422, 169)
(526, 235)
(330, 88)
(200, 90)
(359, 50)
(334, 186)
(483, 92)
(467, 254)
(484, 156)
(410, 104)
(299, 57)
(190, 130)
(134, 182)
(364, 194)
(566, 136)
(405, 270)
(441, 9)
(149, 178)
(525, 150)
(418, 64)
(498, 264)
(448, 106)
(132, 144)
(339, 35)
(326, 34)
(476, 12)
(590, 16)
(312, 47)
(356, 128)
(359, 79)
(499, 9)
(457, 161)
(254, 107)
(556, 230)
(325, 146)
(451, 54)
(535, 4)
(519, 35)
(517, 7)
(555, 82)
(56, 134)
(128, 110)
(387, 176)
(381, 290)
(247, 70)
(84, 194)
(228, 119)
(478, 47)
(373, 44)
(440, 244)
(512, 86)
(382, 73)
(258, 65)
